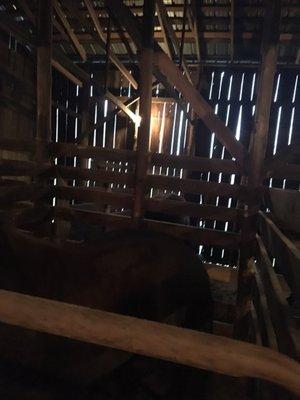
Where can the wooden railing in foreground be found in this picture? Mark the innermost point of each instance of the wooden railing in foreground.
(278, 327)
(110, 173)
(182, 346)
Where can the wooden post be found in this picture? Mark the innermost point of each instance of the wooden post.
(265, 92)
(44, 75)
(257, 154)
(145, 86)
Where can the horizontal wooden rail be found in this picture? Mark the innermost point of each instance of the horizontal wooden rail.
(17, 145)
(196, 186)
(94, 195)
(284, 250)
(190, 233)
(287, 335)
(21, 192)
(153, 339)
(98, 175)
(192, 209)
(284, 171)
(17, 168)
(71, 150)
(196, 163)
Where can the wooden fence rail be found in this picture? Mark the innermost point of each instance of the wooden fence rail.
(183, 346)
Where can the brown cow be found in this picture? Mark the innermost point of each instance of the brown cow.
(140, 273)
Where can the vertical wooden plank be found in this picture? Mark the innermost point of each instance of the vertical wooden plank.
(264, 97)
(257, 153)
(145, 86)
(44, 75)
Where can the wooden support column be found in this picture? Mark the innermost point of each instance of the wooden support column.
(85, 121)
(145, 87)
(257, 154)
(265, 92)
(44, 76)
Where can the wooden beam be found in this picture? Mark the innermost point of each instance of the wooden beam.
(149, 338)
(170, 31)
(201, 107)
(71, 150)
(67, 74)
(232, 26)
(115, 60)
(261, 306)
(70, 68)
(79, 48)
(136, 119)
(26, 146)
(125, 17)
(286, 253)
(287, 335)
(202, 164)
(145, 89)
(97, 175)
(44, 75)
(195, 186)
(166, 39)
(93, 195)
(29, 14)
(195, 235)
(264, 98)
(185, 208)
(175, 77)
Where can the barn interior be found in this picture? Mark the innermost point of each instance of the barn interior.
(149, 199)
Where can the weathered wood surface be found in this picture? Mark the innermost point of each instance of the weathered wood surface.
(286, 253)
(185, 162)
(266, 328)
(79, 48)
(150, 338)
(196, 186)
(285, 327)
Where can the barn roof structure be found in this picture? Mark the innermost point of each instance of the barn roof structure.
(178, 117)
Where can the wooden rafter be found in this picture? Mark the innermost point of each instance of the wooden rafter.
(201, 107)
(115, 60)
(69, 66)
(170, 31)
(232, 20)
(44, 74)
(79, 48)
(193, 20)
(168, 43)
(135, 118)
(174, 76)
(29, 14)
